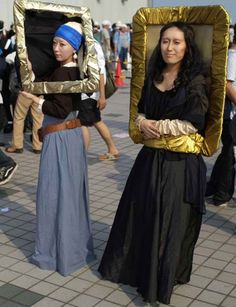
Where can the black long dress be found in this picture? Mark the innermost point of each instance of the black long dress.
(159, 216)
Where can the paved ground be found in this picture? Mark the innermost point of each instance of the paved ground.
(213, 281)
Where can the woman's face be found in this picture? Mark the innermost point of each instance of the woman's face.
(173, 46)
(63, 51)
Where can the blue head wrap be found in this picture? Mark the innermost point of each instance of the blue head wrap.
(72, 36)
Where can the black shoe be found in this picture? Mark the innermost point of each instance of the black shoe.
(6, 172)
(37, 151)
(8, 128)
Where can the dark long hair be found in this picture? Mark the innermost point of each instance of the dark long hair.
(191, 64)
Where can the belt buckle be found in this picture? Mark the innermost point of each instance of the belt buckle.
(70, 124)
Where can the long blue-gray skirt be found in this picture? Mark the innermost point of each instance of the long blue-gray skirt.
(63, 235)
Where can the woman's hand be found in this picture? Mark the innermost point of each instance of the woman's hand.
(35, 99)
(149, 128)
(101, 103)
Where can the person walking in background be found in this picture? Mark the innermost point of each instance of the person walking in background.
(102, 128)
(63, 235)
(106, 40)
(97, 32)
(122, 45)
(23, 105)
(6, 47)
(220, 187)
(7, 168)
(159, 216)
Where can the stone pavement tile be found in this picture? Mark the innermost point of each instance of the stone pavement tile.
(179, 301)
(229, 302)
(5, 228)
(25, 281)
(107, 220)
(15, 232)
(128, 289)
(99, 291)
(44, 288)
(188, 291)
(203, 251)
(64, 295)
(11, 304)
(211, 297)
(207, 272)
(58, 279)
(222, 256)
(199, 281)
(5, 238)
(220, 287)
(2, 300)
(27, 298)
(8, 276)
(97, 243)
(216, 264)
(106, 304)
(120, 297)
(18, 242)
(232, 240)
(85, 301)
(48, 302)
(13, 213)
(20, 254)
(7, 261)
(103, 236)
(30, 236)
(89, 275)
(233, 293)
(211, 244)
(108, 283)
(78, 284)
(98, 226)
(204, 234)
(228, 248)
(22, 267)
(102, 212)
(197, 259)
(39, 274)
(8, 291)
(208, 228)
(200, 304)
(5, 249)
(227, 277)
(218, 237)
(29, 247)
(28, 226)
(231, 267)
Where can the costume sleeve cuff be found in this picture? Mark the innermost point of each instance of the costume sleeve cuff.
(40, 105)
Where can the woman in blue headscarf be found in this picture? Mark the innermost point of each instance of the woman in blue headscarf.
(63, 236)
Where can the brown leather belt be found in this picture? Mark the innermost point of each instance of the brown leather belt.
(68, 124)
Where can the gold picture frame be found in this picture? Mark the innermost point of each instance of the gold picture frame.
(89, 64)
(211, 24)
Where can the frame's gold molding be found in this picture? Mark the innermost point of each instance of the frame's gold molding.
(218, 19)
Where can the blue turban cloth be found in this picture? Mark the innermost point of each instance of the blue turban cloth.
(73, 37)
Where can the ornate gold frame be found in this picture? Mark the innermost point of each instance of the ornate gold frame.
(90, 65)
(213, 23)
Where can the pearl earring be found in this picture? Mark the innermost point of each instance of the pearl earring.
(75, 56)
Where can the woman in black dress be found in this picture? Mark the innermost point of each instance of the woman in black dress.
(159, 217)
